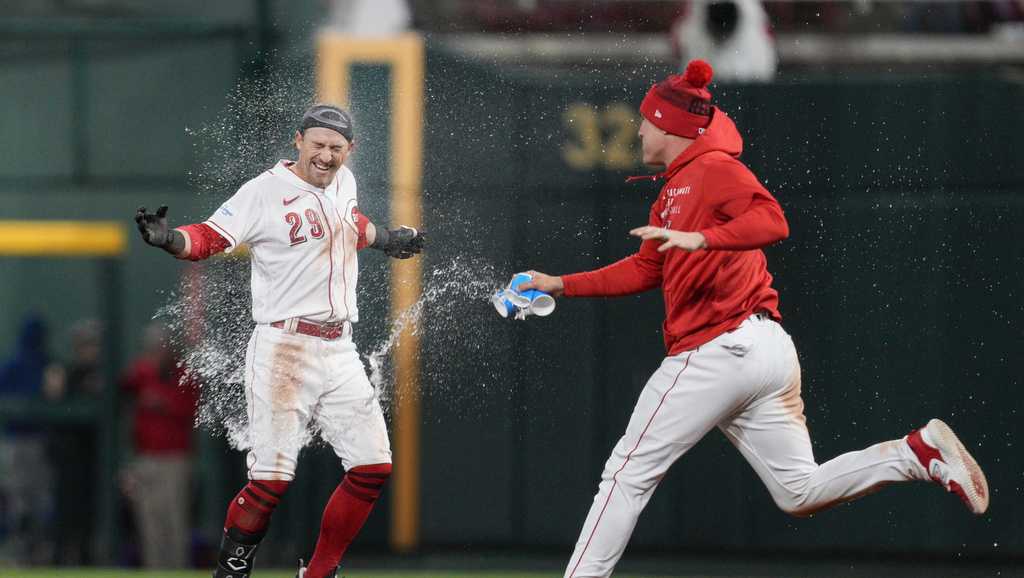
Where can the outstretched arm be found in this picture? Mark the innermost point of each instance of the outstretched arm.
(193, 242)
(746, 215)
(637, 273)
(757, 224)
(401, 243)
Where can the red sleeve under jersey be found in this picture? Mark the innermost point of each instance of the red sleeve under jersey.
(361, 224)
(201, 241)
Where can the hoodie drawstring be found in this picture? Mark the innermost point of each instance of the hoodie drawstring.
(645, 177)
(666, 174)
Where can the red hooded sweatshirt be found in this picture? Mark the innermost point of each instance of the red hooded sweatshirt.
(711, 291)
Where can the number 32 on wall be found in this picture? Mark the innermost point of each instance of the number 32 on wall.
(600, 138)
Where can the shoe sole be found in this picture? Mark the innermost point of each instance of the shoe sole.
(963, 464)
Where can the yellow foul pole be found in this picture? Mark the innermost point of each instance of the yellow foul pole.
(405, 56)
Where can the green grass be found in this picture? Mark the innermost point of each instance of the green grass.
(117, 572)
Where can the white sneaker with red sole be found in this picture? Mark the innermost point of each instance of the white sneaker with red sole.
(950, 464)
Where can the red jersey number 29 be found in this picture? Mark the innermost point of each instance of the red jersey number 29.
(316, 227)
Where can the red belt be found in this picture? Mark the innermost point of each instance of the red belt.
(327, 331)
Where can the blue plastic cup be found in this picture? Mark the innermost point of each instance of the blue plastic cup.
(541, 303)
(503, 304)
(513, 302)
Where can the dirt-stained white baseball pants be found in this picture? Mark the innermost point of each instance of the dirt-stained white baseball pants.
(747, 383)
(294, 380)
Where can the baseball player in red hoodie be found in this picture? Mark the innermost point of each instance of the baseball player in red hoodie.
(730, 364)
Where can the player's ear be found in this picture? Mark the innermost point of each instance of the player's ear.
(298, 139)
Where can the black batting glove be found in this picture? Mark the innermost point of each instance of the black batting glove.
(153, 227)
(400, 243)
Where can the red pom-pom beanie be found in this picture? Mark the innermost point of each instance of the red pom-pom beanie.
(681, 104)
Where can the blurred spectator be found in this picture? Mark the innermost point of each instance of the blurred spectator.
(74, 449)
(158, 481)
(370, 18)
(733, 35)
(85, 377)
(29, 371)
(25, 476)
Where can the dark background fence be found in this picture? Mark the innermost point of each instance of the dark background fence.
(900, 283)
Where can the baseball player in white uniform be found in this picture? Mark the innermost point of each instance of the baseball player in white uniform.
(730, 364)
(302, 225)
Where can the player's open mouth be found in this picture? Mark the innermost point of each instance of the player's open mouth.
(321, 167)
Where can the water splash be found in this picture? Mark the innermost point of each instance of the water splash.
(210, 314)
(210, 321)
(212, 336)
(450, 291)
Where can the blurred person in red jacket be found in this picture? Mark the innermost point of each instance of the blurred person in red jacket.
(158, 482)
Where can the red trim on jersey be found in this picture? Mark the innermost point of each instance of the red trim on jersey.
(330, 255)
(201, 241)
(361, 224)
(344, 250)
(223, 232)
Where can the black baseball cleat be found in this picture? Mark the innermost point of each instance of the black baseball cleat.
(237, 551)
(302, 571)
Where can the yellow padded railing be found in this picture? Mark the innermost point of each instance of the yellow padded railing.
(63, 239)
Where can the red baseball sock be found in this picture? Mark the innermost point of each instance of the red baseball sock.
(345, 514)
(251, 509)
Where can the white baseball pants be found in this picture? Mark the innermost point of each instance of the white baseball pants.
(292, 380)
(747, 383)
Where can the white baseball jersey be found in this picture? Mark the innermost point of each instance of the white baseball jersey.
(303, 241)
